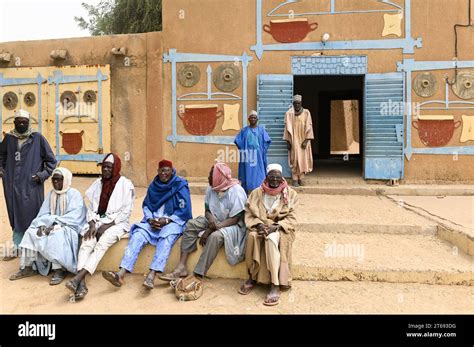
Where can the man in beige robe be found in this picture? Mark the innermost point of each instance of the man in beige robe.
(271, 222)
(298, 135)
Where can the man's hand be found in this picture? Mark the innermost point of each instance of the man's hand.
(304, 144)
(204, 237)
(154, 224)
(288, 145)
(271, 229)
(40, 231)
(102, 229)
(47, 231)
(36, 178)
(261, 229)
(212, 223)
(91, 232)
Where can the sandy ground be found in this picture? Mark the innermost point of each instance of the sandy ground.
(34, 295)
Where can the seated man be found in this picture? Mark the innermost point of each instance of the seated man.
(223, 224)
(110, 206)
(271, 222)
(166, 209)
(52, 240)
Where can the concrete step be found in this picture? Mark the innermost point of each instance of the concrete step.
(342, 257)
(199, 188)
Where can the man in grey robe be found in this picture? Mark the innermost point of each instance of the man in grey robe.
(222, 225)
(26, 161)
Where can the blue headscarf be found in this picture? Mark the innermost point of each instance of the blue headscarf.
(174, 194)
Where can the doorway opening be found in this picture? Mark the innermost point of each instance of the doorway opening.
(336, 104)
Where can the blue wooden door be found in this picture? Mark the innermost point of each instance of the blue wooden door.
(274, 97)
(383, 126)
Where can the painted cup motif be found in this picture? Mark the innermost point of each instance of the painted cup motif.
(435, 132)
(289, 30)
(72, 141)
(200, 119)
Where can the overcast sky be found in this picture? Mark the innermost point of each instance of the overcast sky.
(41, 19)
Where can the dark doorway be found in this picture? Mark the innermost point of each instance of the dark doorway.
(326, 94)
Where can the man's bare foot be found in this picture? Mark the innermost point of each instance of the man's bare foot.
(273, 298)
(247, 287)
(300, 182)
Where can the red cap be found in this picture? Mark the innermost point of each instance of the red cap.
(165, 163)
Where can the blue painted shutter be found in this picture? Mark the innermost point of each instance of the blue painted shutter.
(274, 96)
(383, 124)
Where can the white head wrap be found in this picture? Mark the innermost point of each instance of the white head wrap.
(297, 98)
(253, 113)
(67, 179)
(110, 159)
(22, 114)
(277, 167)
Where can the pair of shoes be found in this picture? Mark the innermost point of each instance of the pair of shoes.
(58, 276)
(23, 273)
(172, 276)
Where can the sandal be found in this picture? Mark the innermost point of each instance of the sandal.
(58, 276)
(81, 292)
(72, 286)
(266, 302)
(113, 278)
(23, 273)
(172, 276)
(247, 287)
(149, 283)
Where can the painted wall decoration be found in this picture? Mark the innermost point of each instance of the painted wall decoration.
(409, 66)
(463, 88)
(10, 100)
(392, 24)
(435, 130)
(467, 133)
(90, 97)
(29, 99)
(289, 32)
(68, 100)
(191, 115)
(189, 75)
(231, 117)
(425, 84)
(200, 119)
(72, 140)
(227, 77)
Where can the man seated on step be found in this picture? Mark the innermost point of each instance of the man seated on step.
(110, 206)
(52, 240)
(271, 221)
(222, 225)
(166, 209)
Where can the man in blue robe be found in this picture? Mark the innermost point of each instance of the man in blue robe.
(166, 209)
(253, 142)
(52, 240)
(26, 161)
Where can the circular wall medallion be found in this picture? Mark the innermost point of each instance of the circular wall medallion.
(464, 86)
(10, 100)
(29, 99)
(425, 84)
(68, 100)
(227, 77)
(89, 97)
(189, 75)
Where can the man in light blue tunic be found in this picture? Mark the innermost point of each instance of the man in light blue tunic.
(253, 142)
(166, 209)
(222, 225)
(52, 239)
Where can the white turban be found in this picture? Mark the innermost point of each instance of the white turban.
(22, 114)
(53, 199)
(110, 159)
(253, 113)
(297, 98)
(277, 167)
